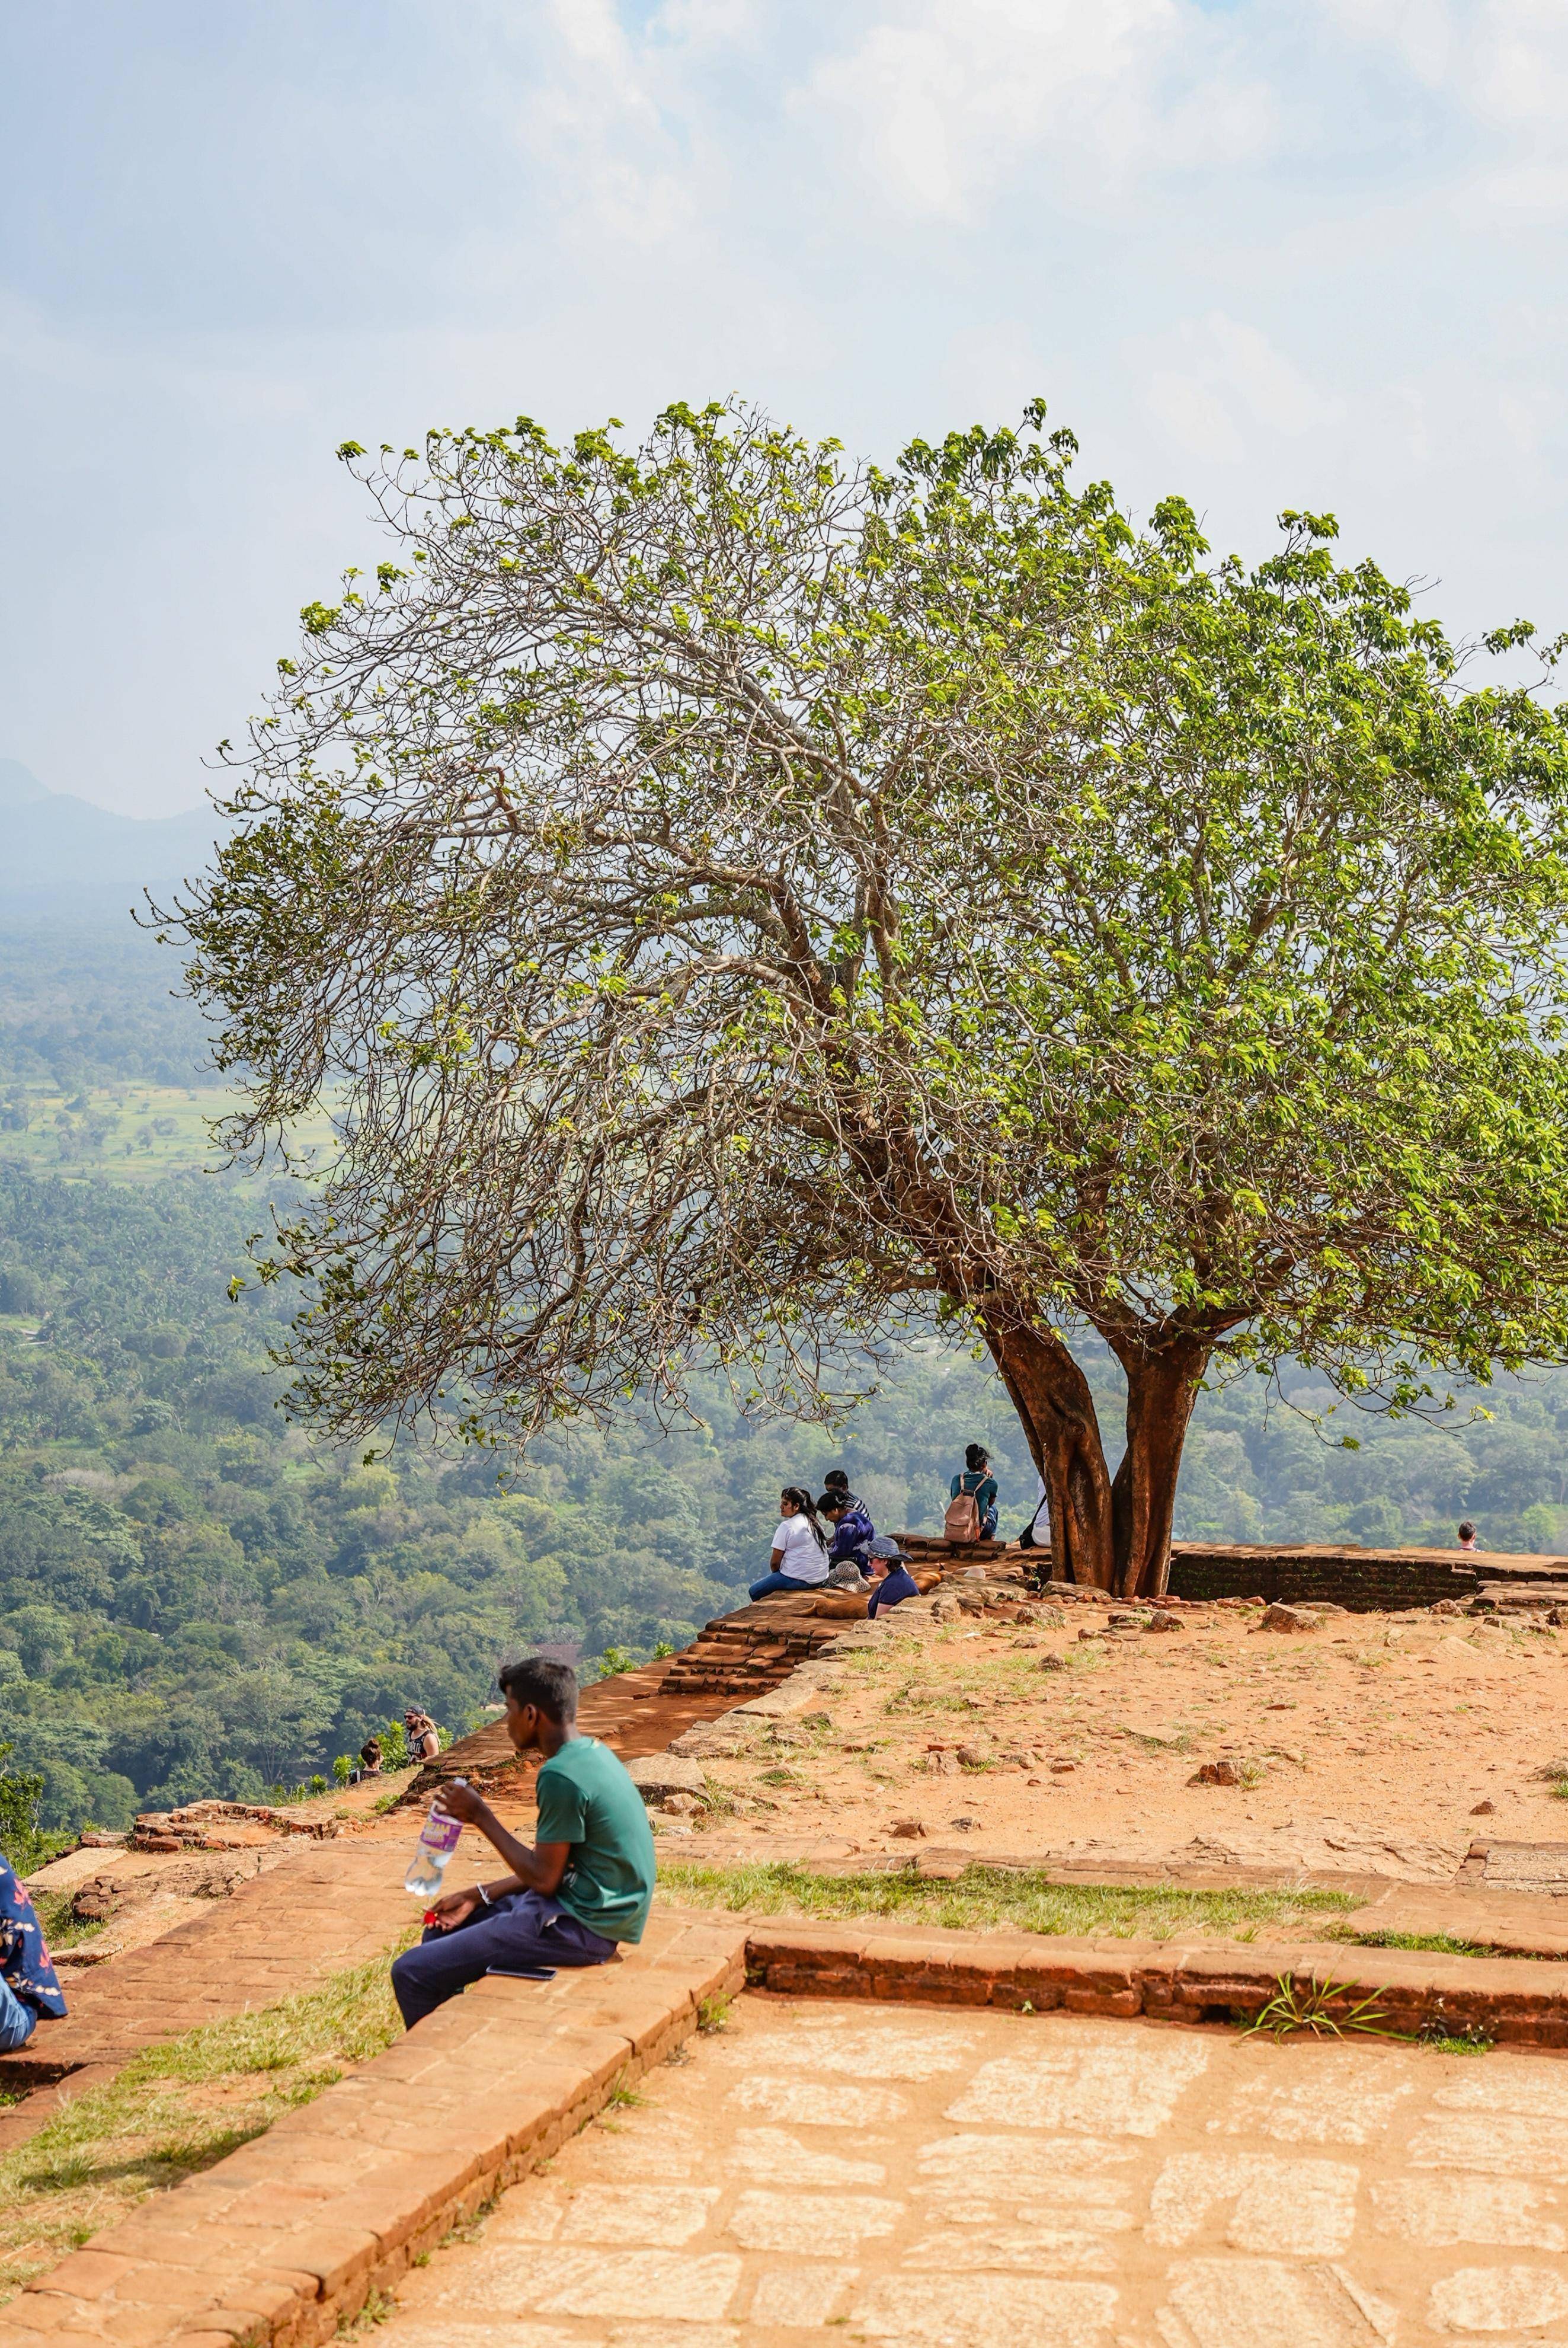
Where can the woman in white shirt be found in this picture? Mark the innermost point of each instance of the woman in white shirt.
(799, 1560)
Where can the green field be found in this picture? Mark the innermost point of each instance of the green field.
(120, 1133)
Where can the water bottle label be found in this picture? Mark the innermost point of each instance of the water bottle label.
(440, 1833)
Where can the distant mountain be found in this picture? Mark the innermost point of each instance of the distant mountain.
(62, 856)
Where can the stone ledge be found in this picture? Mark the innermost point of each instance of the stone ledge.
(280, 2243)
(1514, 2000)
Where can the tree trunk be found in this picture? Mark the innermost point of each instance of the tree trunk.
(1056, 1409)
(1161, 1391)
(1113, 1535)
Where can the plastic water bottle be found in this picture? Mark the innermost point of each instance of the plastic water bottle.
(433, 1851)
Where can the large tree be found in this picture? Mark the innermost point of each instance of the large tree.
(740, 903)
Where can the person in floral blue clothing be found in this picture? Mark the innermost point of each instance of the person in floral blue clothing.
(29, 1987)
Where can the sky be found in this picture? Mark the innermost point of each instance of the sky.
(1309, 253)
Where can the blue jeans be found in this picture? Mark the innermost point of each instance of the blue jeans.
(772, 1581)
(523, 1932)
(17, 2019)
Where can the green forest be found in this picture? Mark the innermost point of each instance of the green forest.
(196, 1598)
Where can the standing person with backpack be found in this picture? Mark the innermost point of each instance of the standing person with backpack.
(972, 1507)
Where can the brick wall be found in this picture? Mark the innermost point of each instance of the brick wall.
(1366, 1581)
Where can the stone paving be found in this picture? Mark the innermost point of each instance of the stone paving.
(950, 2179)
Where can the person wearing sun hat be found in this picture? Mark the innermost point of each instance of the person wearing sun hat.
(891, 1580)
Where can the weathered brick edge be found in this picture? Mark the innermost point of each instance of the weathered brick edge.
(285, 2238)
(1514, 2000)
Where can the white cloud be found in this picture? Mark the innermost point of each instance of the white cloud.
(1420, 33)
(1218, 387)
(939, 102)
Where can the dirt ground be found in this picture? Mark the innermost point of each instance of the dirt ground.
(952, 2180)
(1372, 1744)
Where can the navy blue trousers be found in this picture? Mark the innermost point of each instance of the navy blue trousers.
(523, 1932)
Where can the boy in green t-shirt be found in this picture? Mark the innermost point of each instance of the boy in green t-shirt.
(583, 1887)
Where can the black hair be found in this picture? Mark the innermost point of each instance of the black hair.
(826, 1500)
(837, 1480)
(976, 1456)
(1466, 1530)
(550, 1688)
(807, 1507)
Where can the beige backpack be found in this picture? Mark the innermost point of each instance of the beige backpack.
(962, 1521)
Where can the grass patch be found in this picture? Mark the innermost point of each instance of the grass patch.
(178, 2108)
(61, 1928)
(1443, 1944)
(985, 1898)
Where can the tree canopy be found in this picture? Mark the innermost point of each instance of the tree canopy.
(742, 901)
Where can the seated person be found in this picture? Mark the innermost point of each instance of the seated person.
(583, 1888)
(852, 1531)
(976, 1480)
(370, 1758)
(30, 1986)
(837, 1482)
(799, 1560)
(424, 1738)
(891, 1577)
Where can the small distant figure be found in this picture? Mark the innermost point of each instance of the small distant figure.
(424, 1736)
(799, 1560)
(892, 1581)
(972, 1507)
(852, 1534)
(30, 1985)
(1467, 1535)
(370, 1758)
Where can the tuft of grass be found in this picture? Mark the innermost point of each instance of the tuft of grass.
(1443, 1944)
(620, 2097)
(988, 1898)
(714, 2015)
(1290, 2009)
(378, 2306)
(179, 2107)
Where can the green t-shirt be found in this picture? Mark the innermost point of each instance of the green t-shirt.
(587, 1799)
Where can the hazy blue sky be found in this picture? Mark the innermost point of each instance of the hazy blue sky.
(1310, 253)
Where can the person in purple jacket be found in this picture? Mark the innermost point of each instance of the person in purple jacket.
(853, 1532)
(30, 1985)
